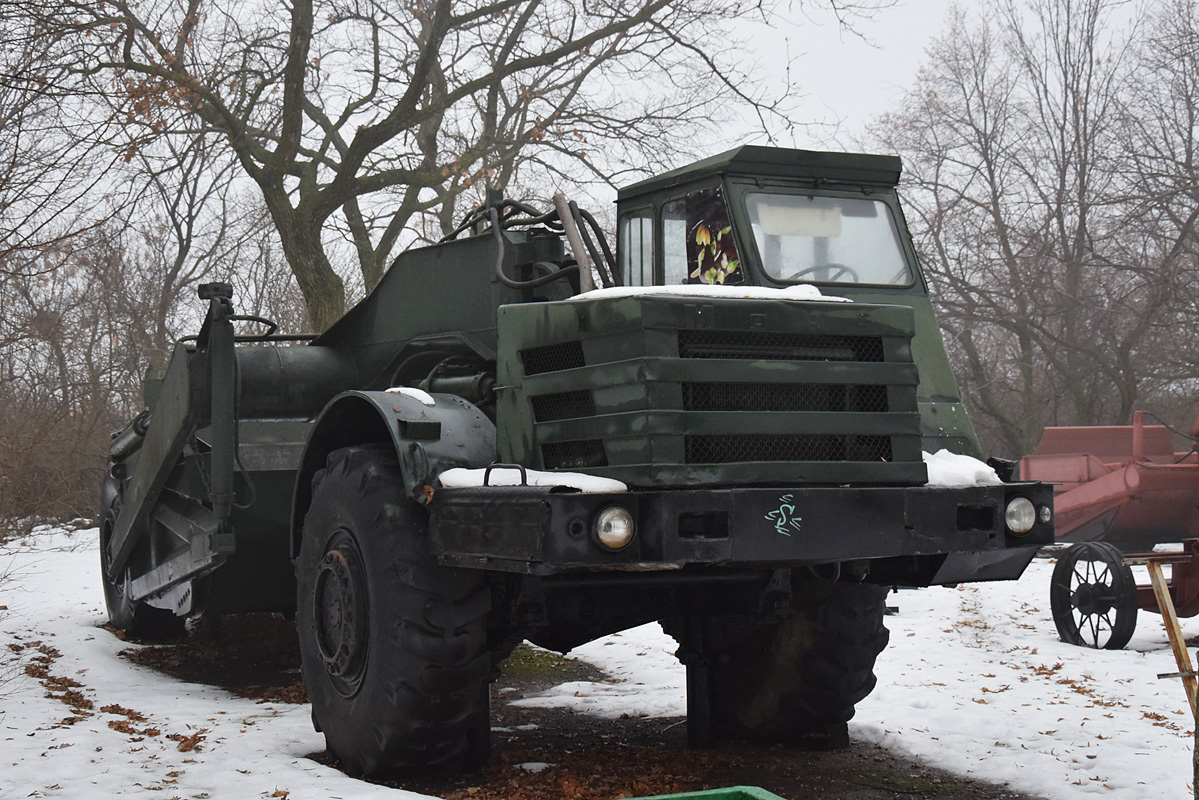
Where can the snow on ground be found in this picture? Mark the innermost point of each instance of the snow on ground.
(242, 749)
(974, 681)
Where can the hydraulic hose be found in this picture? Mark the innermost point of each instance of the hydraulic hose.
(533, 283)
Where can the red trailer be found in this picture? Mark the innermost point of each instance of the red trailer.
(1123, 484)
(1119, 489)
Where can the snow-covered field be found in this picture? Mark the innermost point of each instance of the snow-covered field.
(974, 681)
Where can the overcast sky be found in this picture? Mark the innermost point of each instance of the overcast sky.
(848, 79)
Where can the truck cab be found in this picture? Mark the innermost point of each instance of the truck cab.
(768, 217)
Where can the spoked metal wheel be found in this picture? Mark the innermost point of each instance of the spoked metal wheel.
(1093, 597)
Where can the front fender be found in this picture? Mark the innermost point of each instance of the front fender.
(428, 439)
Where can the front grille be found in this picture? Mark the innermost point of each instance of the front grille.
(774, 346)
(632, 389)
(783, 397)
(552, 357)
(733, 448)
(574, 455)
(563, 405)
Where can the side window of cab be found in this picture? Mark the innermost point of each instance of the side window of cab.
(697, 240)
(635, 244)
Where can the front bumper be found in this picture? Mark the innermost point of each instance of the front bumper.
(946, 534)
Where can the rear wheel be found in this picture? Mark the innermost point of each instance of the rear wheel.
(1093, 596)
(135, 617)
(393, 645)
(792, 680)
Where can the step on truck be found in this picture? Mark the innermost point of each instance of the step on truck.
(726, 436)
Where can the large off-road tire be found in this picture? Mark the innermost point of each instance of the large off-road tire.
(136, 618)
(795, 680)
(393, 645)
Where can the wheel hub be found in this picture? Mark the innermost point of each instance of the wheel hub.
(1093, 599)
(1093, 596)
(340, 614)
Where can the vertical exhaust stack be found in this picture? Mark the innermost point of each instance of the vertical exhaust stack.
(216, 339)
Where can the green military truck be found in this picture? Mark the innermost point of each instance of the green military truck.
(726, 438)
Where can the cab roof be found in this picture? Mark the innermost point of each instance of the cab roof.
(781, 162)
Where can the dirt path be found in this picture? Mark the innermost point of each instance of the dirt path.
(559, 754)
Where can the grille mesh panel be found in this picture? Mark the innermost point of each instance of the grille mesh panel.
(564, 405)
(574, 455)
(774, 346)
(552, 358)
(783, 397)
(733, 448)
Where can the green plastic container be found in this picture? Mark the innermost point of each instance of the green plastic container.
(731, 793)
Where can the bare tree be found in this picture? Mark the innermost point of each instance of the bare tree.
(1159, 142)
(1027, 142)
(190, 224)
(79, 325)
(58, 166)
(266, 286)
(366, 113)
(955, 131)
(57, 355)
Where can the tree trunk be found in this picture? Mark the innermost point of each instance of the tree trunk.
(323, 289)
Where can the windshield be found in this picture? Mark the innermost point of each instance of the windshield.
(810, 239)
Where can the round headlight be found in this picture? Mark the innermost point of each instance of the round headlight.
(1020, 515)
(614, 527)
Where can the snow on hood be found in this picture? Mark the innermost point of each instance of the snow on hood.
(800, 292)
(416, 394)
(950, 469)
(459, 478)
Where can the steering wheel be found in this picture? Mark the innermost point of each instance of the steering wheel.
(835, 271)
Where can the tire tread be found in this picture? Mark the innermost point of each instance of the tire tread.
(420, 702)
